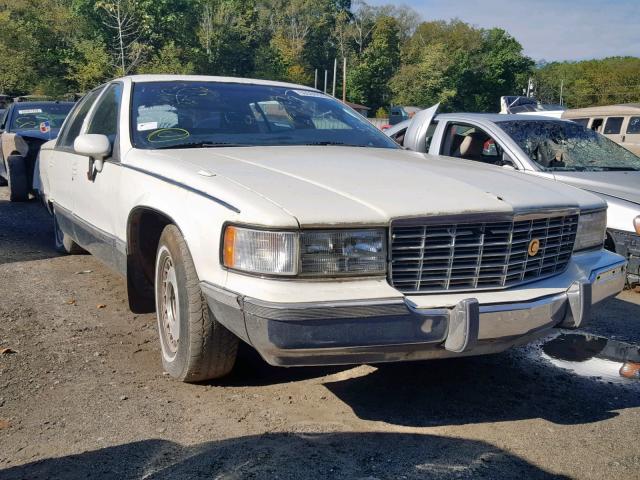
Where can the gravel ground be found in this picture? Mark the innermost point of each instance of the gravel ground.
(84, 396)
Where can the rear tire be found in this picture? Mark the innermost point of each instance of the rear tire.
(195, 346)
(63, 242)
(17, 179)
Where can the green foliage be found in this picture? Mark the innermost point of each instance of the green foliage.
(382, 113)
(169, 61)
(368, 82)
(462, 67)
(62, 46)
(88, 64)
(589, 83)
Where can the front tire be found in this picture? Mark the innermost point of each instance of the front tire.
(17, 179)
(195, 346)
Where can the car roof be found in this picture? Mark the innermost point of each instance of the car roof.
(39, 104)
(211, 78)
(494, 117)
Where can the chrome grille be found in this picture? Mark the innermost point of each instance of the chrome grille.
(430, 255)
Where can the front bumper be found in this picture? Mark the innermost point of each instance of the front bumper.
(627, 244)
(398, 329)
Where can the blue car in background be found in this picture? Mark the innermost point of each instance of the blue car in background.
(24, 127)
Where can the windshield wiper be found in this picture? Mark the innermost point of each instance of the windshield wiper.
(203, 145)
(619, 169)
(330, 143)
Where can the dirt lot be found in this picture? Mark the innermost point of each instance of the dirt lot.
(84, 396)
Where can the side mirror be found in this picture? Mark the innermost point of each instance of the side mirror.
(96, 147)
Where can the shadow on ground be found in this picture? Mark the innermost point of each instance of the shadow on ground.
(291, 456)
(251, 370)
(514, 385)
(26, 231)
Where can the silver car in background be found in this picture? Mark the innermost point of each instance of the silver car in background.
(536, 145)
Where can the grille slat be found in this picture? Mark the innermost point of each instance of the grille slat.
(433, 257)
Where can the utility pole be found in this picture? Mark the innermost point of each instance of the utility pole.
(325, 80)
(315, 81)
(561, 89)
(344, 81)
(335, 71)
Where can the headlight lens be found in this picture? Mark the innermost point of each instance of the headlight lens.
(311, 253)
(591, 230)
(343, 252)
(636, 224)
(260, 251)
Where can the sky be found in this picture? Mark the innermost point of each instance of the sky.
(547, 29)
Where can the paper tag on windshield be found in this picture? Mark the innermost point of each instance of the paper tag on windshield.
(147, 126)
(31, 110)
(309, 93)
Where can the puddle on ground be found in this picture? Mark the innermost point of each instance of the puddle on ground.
(593, 356)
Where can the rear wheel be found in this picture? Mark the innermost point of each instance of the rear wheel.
(63, 242)
(17, 179)
(195, 346)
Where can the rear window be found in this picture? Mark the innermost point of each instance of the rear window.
(613, 125)
(634, 125)
(30, 116)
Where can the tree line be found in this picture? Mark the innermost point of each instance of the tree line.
(54, 47)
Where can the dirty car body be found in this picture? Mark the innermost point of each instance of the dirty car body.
(25, 126)
(556, 149)
(314, 238)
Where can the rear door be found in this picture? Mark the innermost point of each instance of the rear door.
(631, 137)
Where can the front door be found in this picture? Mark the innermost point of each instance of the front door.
(97, 192)
(62, 161)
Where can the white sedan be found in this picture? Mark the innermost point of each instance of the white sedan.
(272, 213)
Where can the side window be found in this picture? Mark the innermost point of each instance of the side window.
(634, 125)
(613, 125)
(471, 143)
(430, 131)
(596, 125)
(72, 126)
(105, 117)
(581, 121)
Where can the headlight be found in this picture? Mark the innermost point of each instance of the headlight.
(636, 224)
(591, 230)
(310, 253)
(343, 252)
(260, 251)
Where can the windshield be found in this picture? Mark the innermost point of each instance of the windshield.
(209, 114)
(31, 116)
(569, 147)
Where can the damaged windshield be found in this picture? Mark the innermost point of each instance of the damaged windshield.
(567, 146)
(197, 114)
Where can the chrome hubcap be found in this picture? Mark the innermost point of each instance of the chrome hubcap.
(169, 308)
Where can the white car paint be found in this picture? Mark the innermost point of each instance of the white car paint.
(293, 187)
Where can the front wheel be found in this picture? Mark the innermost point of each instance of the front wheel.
(195, 346)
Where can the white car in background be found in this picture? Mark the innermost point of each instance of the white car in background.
(272, 213)
(551, 148)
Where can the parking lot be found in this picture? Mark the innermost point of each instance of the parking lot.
(83, 395)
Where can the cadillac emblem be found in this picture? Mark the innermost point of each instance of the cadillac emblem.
(534, 247)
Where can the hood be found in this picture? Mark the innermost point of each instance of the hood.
(348, 185)
(622, 185)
